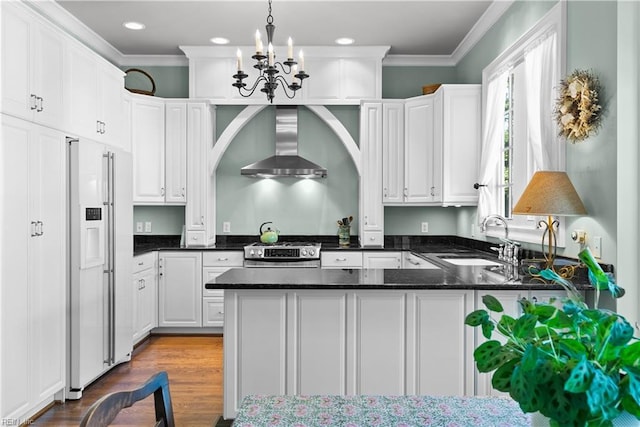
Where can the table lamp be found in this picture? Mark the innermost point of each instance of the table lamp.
(549, 194)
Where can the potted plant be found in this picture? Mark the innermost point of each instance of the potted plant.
(577, 366)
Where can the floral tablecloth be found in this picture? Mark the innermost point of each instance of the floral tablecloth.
(371, 411)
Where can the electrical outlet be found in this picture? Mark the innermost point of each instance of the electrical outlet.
(424, 227)
(597, 247)
(138, 227)
(147, 227)
(226, 227)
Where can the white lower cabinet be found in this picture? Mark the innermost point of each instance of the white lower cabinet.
(145, 295)
(180, 289)
(214, 263)
(381, 259)
(413, 261)
(346, 342)
(341, 259)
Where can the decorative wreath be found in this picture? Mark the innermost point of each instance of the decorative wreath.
(578, 111)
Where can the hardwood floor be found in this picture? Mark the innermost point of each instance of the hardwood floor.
(194, 366)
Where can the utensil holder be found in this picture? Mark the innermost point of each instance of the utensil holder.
(344, 235)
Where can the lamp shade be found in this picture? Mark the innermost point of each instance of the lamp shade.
(549, 193)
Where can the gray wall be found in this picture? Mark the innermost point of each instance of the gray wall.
(591, 164)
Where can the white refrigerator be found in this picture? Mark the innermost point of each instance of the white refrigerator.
(100, 261)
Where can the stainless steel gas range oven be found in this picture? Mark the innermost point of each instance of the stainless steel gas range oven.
(282, 254)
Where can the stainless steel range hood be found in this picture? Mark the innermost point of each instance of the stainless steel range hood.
(286, 162)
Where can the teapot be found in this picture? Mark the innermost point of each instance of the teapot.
(268, 235)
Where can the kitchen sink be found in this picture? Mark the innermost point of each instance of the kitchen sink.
(470, 261)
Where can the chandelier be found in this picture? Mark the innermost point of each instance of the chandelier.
(269, 75)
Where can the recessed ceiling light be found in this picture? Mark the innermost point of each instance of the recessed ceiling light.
(132, 25)
(219, 40)
(345, 40)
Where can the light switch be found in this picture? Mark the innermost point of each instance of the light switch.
(424, 227)
(226, 227)
(597, 247)
(138, 227)
(147, 227)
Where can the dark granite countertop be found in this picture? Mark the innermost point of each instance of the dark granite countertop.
(447, 276)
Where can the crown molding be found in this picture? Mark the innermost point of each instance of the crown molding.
(71, 25)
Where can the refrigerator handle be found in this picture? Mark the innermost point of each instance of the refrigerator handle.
(110, 257)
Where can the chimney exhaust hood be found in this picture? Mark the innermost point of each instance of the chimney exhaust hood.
(286, 162)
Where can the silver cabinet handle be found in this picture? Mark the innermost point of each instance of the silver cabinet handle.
(33, 102)
(202, 220)
(341, 259)
(162, 191)
(33, 229)
(39, 228)
(412, 261)
(97, 126)
(40, 102)
(223, 259)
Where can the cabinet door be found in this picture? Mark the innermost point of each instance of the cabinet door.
(81, 85)
(180, 289)
(379, 317)
(418, 151)
(15, 240)
(381, 259)
(441, 363)
(460, 142)
(110, 99)
(199, 183)
(48, 76)
(32, 72)
(392, 152)
(371, 210)
(148, 149)
(341, 259)
(176, 152)
(47, 262)
(147, 302)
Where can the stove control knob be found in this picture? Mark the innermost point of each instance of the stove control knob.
(312, 252)
(304, 252)
(259, 252)
(251, 252)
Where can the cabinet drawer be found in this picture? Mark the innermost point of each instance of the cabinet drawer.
(144, 262)
(338, 259)
(410, 261)
(222, 258)
(372, 238)
(195, 238)
(212, 312)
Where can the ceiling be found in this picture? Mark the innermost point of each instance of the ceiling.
(413, 27)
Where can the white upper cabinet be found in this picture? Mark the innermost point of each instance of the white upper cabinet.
(32, 67)
(421, 184)
(148, 148)
(459, 134)
(435, 161)
(337, 75)
(95, 97)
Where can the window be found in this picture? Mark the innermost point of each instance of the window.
(519, 134)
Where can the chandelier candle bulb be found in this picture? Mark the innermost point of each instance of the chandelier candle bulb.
(290, 49)
(239, 62)
(270, 54)
(301, 60)
(294, 79)
(258, 43)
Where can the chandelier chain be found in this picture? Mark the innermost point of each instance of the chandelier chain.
(269, 17)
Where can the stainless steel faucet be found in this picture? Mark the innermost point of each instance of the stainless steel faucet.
(509, 251)
(499, 218)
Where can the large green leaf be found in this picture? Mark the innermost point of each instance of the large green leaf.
(501, 379)
(621, 332)
(544, 371)
(603, 391)
(487, 329)
(572, 347)
(505, 324)
(491, 355)
(560, 320)
(522, 391)
(581, 375)
(630, 355)
(476, 318)
(631, 406)
(492, 303)
(544, 312)
(560, 406)
(526, 305)
(633, 387)
(525, 326)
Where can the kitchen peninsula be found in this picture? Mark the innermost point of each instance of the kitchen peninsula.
(355, 332)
